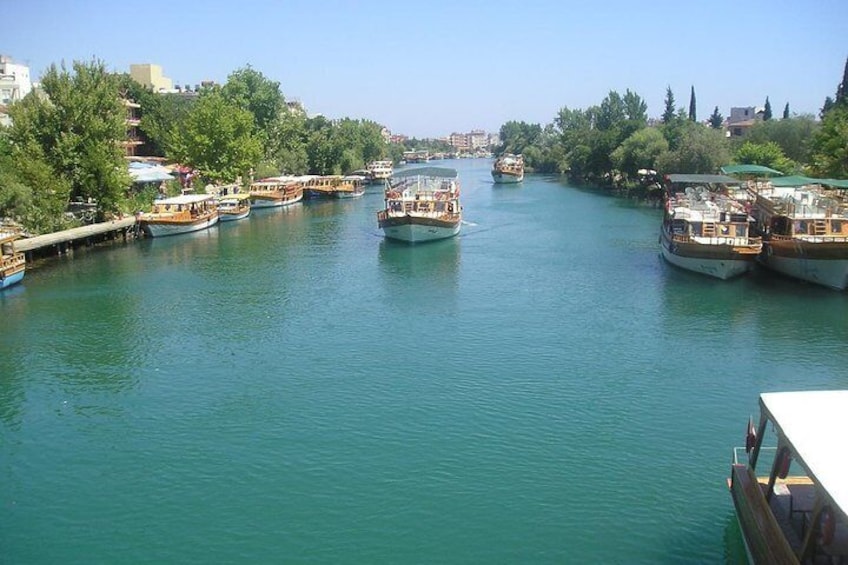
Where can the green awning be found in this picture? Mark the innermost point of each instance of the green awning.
(800, 180)
(756, 170)
(701, 179)
(439, 172)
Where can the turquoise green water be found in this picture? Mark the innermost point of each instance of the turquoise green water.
(293, 388)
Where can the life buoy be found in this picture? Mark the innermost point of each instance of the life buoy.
(784, 460)
(751, 436)
(827, 525)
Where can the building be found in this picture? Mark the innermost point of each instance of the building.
(134, 139)
(14, 85)
(478, 139)
(742, 119)
(459, 141)
(151, 76)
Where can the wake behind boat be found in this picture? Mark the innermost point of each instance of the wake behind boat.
(508, 168)
(706, 231)
(422, 204)
(180, 214)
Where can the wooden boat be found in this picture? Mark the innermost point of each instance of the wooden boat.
(275, 192)
(421, 205)
(508, 168)
(180, 214)
(805, 231)
(333, 186)
(12, 263)
(708, 232)
(380, 171)
(233, 206)
(796, 510)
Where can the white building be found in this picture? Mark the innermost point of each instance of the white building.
(14, 84)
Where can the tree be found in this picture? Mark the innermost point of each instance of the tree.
(767, 111)
(793, 135)
(218, 138)
(692, 111)
(699, 150)
(639, 151)
(768, 154)
(842, 89)
(252, 91)
(829, 146)
(669, 113)
(716, 119)
(786, 111)
(828, 105)
(75, 135)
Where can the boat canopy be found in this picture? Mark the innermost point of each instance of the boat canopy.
(439, 172)
(701, 179)
(756, 170)
(235, 196)
(185, 199)
(800, 180)
(814, 424)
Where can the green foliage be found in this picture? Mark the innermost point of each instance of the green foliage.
(639, 151)
(693, 114)
(218, 138)
(842, 89)
(250, 90)
(699, 150)
(829, 145)
(286, 146)
(767, 111)
(768, 154)
(669, 112)
(793, 135)
(716, 119)
(786, 111)
(73, 134)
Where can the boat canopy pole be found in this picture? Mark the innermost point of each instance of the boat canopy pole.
(774, 470)
(813, 531)
(761, 430)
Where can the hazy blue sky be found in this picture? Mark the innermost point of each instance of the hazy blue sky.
(428, 68)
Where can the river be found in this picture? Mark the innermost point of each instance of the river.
(294, 388)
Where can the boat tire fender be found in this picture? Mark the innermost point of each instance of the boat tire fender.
(784, 461)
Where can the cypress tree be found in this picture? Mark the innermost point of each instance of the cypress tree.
(842, 89)
(767, 111)
(716, 119)
(668, 114)
(828, 105)
(692, 111)
(786, 111)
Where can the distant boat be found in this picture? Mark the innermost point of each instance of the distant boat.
(791, 500)
(380, 171)
(333, 186)
(708, 232)
(180, 214)
(508, 168)
(12, 263)
(275, 192)
(234, 206)
(421, 205)
(352, 186)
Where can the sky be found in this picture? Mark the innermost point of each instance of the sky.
(429, 68)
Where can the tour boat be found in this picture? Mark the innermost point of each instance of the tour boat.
(796, 509)
(508, 168)
(275, 192)
(233, 206)
(180, 214)
(421, 205)
(805, 231)
(380, 170)
(707, 232)
(333, 186)
(12, 263)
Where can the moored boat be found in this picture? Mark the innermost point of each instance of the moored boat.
(333, 186)
(12, 263)
(380, 171)
(352, 186)
(796, 510)
(708, 232)
(234, 206)
(275, 192)
(180, 214)
(508, 168)
(421, 205)
(805, 229)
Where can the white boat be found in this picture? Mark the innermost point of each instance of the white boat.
(180, 214)
(233, 206)
(508, 168)
(275, 192)
(805, 231)
(708, 232)
(421, 205)
(795, 510)
(380, 170)
(12, 263)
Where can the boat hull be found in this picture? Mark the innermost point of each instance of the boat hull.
(232, 216)
(719, 261)
(506, 178)
(12, 279)
(256, 202)
(155, 228)
(412, 229)
(820, 263)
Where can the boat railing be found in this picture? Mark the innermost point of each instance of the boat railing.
(12, 261)
(810, 238)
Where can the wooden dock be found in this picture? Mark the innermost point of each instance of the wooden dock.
(63, 239)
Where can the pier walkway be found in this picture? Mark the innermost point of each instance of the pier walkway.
(62, 238)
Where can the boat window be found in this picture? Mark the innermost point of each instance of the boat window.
(741, 230)
(680, 228)
(800, 227)
(836, 226)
